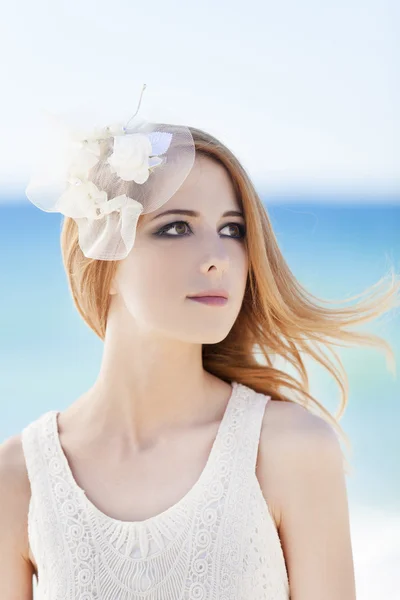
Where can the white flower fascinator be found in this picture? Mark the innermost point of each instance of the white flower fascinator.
(145, 164)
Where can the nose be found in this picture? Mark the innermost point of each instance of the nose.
(216, 254)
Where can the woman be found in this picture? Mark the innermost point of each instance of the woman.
(186, 470)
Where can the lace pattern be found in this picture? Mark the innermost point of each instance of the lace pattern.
(217, 542)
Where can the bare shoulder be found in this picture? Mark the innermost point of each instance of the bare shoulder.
(303, 464)
(13, 473)
(14, 492)
(290, 435)
(294, 422)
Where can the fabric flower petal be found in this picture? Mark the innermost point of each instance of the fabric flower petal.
(115, 232)
(130, 157)
(154, 161)
(138, 174)
(80, 201)
(160, 141)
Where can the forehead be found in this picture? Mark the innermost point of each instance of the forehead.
(208, 188)
(210, 176)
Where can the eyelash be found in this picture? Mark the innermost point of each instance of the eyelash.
(161, 232)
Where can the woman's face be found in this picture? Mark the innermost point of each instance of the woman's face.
(171, 260)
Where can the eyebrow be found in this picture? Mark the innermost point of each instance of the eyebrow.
(193, 213)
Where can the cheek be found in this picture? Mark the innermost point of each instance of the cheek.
(158, 275)
(239, 265)
(148, 278)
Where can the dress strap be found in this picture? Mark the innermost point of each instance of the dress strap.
(251, 431)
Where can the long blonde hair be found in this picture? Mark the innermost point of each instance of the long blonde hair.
(278, 318)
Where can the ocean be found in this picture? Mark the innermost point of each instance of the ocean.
(336, 249)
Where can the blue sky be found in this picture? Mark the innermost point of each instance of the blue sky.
(306, 93)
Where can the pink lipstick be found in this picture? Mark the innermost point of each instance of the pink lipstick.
(211, 300)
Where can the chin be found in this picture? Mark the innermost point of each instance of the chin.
(213, 337)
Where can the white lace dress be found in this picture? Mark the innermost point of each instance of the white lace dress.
(218, 542)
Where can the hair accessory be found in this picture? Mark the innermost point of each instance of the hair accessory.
(144, 165)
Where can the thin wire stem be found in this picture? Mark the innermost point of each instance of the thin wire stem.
(137, 110)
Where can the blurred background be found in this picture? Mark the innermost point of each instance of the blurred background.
(307, 95)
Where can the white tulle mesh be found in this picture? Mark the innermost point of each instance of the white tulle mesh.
(109, 236)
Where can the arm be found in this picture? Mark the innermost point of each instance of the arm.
(314, 527)
(16, 570)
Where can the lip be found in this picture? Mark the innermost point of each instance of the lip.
(211, 300)
(211, 293)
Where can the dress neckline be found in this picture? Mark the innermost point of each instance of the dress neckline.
(168, 512)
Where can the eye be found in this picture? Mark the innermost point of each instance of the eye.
(239, 227)
(179, 224)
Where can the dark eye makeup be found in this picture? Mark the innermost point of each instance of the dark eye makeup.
(163, 231)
